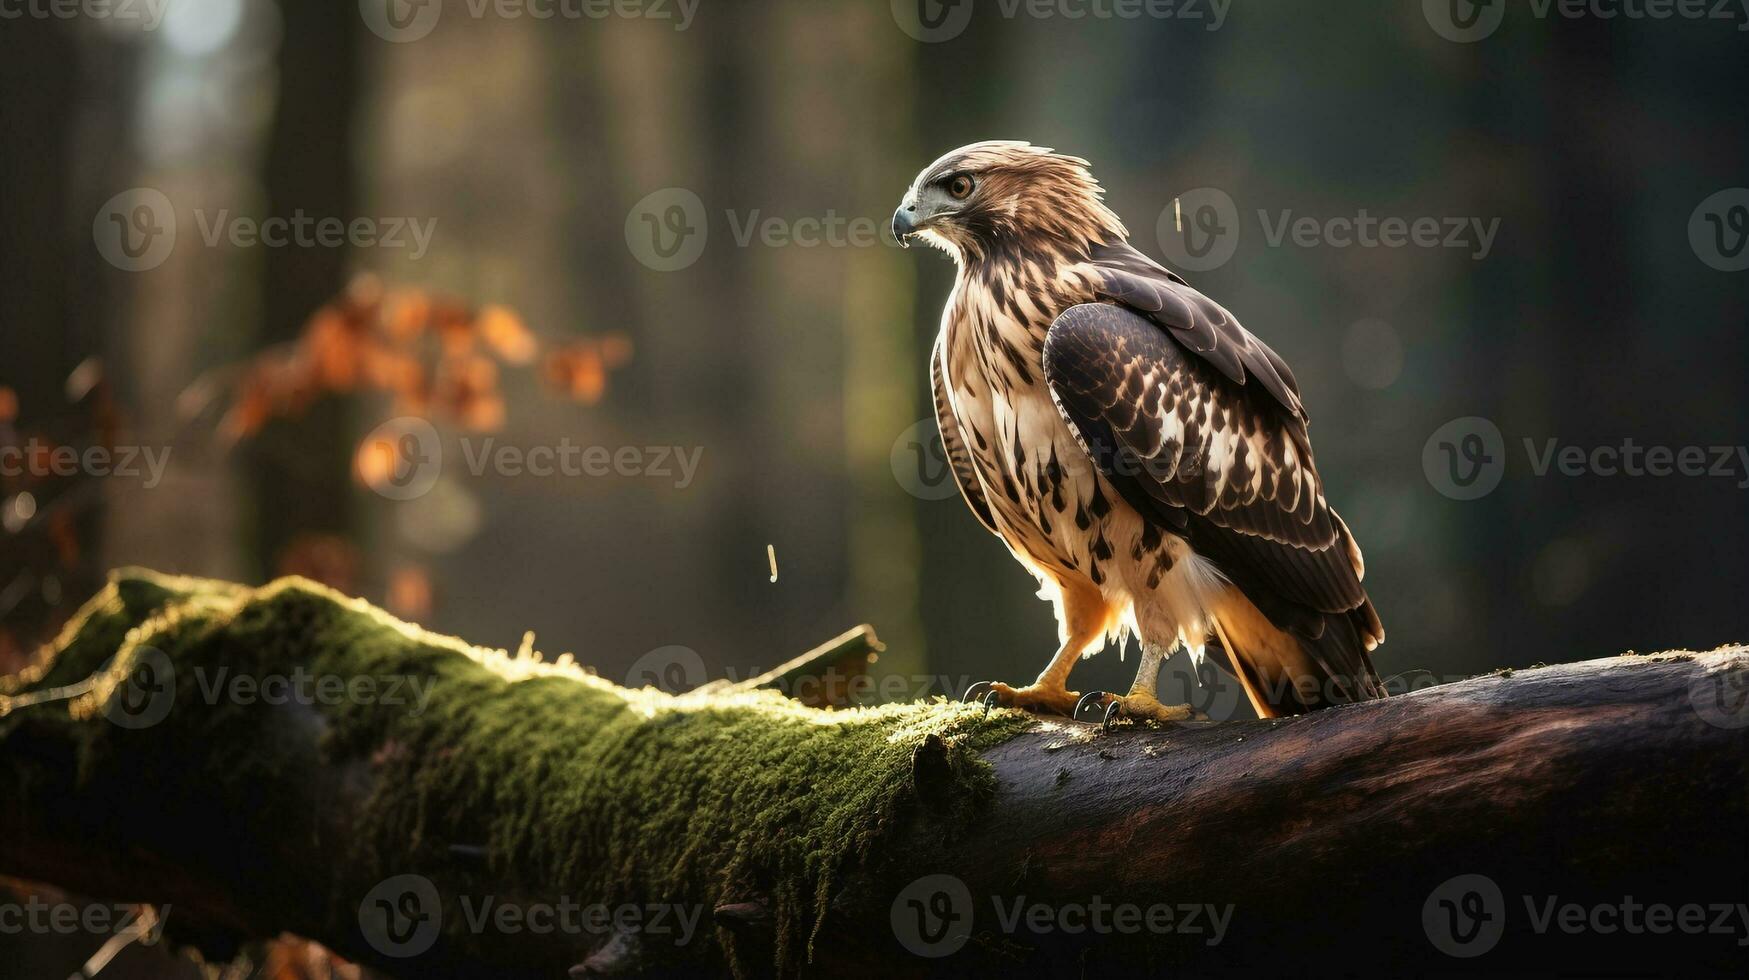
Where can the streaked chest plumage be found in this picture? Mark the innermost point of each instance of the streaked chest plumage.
(1050, 504)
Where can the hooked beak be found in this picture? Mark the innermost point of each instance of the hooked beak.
(905, 221)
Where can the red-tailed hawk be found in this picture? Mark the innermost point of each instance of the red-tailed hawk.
(1138, 450)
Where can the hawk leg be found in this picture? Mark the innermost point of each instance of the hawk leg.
(1141, 703)
(1038, 697)
(1083, 616)
(1049, 694)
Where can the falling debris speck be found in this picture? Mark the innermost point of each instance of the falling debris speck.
(1177, 215)
(771, 553)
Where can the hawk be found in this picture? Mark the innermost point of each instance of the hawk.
(1143, 455)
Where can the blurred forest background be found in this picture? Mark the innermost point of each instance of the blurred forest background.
(799, 373)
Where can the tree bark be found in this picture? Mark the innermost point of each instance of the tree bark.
(1592, 814)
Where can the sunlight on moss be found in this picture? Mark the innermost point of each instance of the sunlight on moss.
(574, 786)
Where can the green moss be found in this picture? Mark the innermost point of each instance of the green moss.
(575, 786)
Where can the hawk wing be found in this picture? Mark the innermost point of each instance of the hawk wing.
(959, 460)
(1200, 324)
(1159, 397)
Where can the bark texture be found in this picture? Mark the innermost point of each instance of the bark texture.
(472, 812)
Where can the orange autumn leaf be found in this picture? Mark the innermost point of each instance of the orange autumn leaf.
(408, 314)
(504, 332)
(333, 349)
(375, 460)
(432, 354)
(410, 592)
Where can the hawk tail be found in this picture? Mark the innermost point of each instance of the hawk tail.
(1320, 662)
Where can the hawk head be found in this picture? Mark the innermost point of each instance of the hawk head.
(988, 198)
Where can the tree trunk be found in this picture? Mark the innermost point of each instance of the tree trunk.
(473, 812)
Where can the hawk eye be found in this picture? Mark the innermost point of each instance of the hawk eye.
(959, 186)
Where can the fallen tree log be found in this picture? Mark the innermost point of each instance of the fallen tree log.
(287, 760)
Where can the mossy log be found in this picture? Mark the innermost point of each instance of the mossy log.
(472, 812)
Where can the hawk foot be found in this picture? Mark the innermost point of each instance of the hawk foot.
(1036, 698)
(1137, 706)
